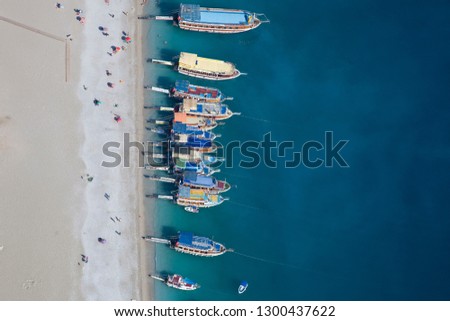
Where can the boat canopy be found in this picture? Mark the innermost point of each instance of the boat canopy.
(191, 61)
(189, 282)
(195, 13)
(185, 86)
(190, 12)
(187, 192)
(198, 242)
(194, 178)
(191, 105)
(180, 128)
(182, 85)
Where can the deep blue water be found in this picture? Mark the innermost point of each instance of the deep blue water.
(375, 73)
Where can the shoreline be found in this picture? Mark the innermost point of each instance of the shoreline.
(147, 284)
(118, 190)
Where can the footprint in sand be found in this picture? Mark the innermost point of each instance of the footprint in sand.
(28, 284)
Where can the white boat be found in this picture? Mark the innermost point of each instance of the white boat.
(242, 287)
(191, 209)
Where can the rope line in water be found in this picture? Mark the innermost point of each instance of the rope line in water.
(269, 121)
(266, 261)
(245, 205)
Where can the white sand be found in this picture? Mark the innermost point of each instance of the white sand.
(51, 134)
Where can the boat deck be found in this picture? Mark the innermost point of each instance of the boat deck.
(191, 61)
(186, 87)
(207, 109)
(197, 242)
(195, 13)
(193, 178)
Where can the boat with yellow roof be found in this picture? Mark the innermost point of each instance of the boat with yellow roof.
(192, 65)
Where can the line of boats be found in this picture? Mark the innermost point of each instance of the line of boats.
(185, 151)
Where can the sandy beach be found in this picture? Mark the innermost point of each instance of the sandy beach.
(57, 200)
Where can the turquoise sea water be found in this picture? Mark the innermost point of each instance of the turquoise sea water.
(375, 73)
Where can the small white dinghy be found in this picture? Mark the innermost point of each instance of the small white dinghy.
(191, 209)
(242, 287)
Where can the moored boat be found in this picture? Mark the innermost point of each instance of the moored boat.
(207, 183)
(187, 196)
(206, 110)
(184, 89)
(197, 245)
(176, 281)
(217, 20)
(194, 122)
(182, 165)
(191, 65)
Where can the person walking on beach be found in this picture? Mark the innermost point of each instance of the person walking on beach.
(108, 73)
(117, 118)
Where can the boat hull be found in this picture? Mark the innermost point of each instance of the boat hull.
(198, 203)
(179, 95)
(208, 76)
(225, 29)
(198, 252)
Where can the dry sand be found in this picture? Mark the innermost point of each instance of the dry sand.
(51, 134)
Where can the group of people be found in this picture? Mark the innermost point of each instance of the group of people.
(97, 102)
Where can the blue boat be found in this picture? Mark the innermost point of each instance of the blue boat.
(217, 20)
(208, 183)
(189, 243)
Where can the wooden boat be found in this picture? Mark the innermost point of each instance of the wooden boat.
(184, 89)
(191, 65)
(194, 122)
(207, 183)
(176, 281)
(187, 242)
(187, 196)
(217, 20)
(193, 107)
(197, 245)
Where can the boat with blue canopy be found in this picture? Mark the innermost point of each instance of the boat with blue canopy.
(189, 243)
(217, 20)
(208, 183)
